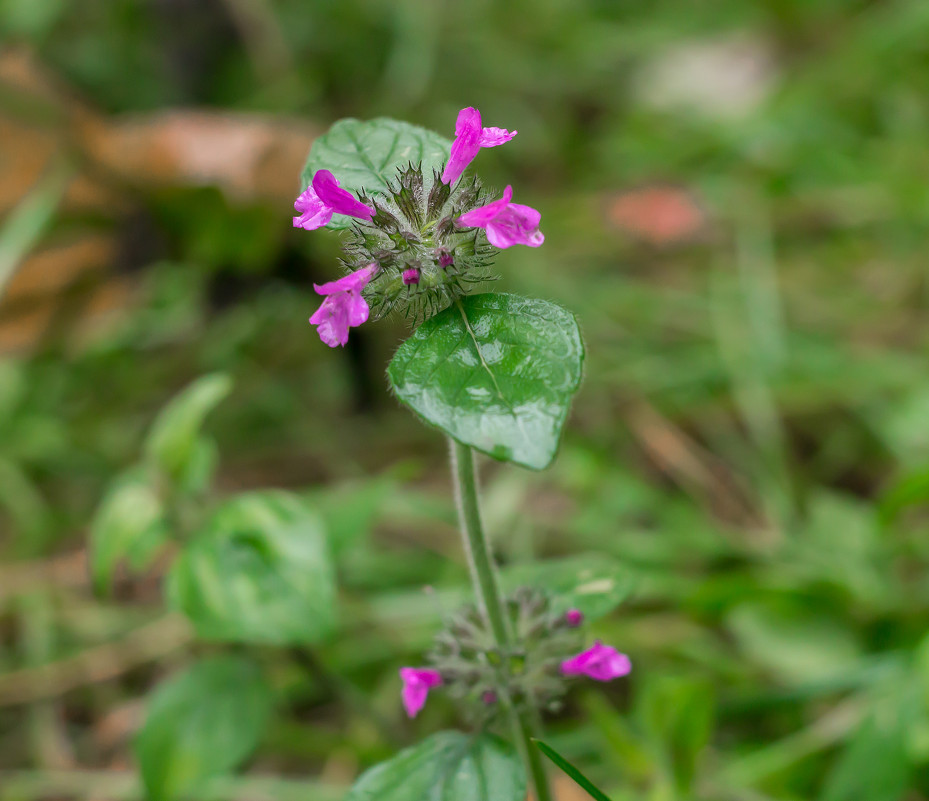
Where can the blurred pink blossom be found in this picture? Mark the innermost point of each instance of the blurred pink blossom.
(574, 617)
(600, 662)
(416, 685)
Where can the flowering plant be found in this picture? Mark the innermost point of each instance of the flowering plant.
(496, 373)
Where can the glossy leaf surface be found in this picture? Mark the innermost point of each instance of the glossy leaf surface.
(259, 572)
(448, 766)
(496, 372)
(201, 723)
(364, 155)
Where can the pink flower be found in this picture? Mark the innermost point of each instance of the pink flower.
(469, 138)
(574, 618)
(416, 685)
(323, 198)
(343, 307)
(506, 223)
(600, 662)
(410, 276)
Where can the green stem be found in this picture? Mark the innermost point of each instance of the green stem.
(487, 589)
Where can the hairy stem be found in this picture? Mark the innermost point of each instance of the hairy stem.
(487, 590)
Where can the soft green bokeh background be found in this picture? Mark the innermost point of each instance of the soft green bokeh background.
(752, 436)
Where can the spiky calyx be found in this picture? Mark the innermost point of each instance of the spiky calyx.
(425, 260)
(475, 671)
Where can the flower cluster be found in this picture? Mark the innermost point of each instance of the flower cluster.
(534, 672)
(426, 242)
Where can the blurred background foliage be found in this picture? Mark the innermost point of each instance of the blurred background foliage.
(735, 202)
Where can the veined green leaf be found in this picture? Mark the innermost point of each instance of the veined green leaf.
(496, 372)
(258, 572)
(365, 155)
(448, 766)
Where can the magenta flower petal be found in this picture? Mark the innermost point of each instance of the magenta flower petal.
(515, 225)
(491, 137)
(353, 282)
(599, 662)
(356, 307)
(483, 215)
(527, 216)
(464, 148)
(416, 685)
(339, 200)
(470, 137)
(344, 307)
(313, 212)
(506, 223)
(331, 320)
(468, 123)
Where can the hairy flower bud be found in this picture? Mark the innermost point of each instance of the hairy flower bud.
(528, 674)
(425, 258)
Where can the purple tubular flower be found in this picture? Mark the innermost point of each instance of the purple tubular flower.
(410, 276)
(574, 618)
(416, 685)
(343, 307)
(600, 662)
(323, 198)
(506, 223)
(469, 138)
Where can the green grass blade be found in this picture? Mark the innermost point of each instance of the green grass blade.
(580, 779)
(23, 227)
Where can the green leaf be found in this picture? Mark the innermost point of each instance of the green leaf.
(350, 511)
(579, 778)
(496, 372)
(200, 724)
(198, 470)
(12, 388)
(909, 489)
(21, 500)
(874, 766)
(128, 524)
(448, 766)
(678, 713)
(258, 572)
(593, 583)
(365, 155)
(174, 442)
(24, 226)
(794, 642)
